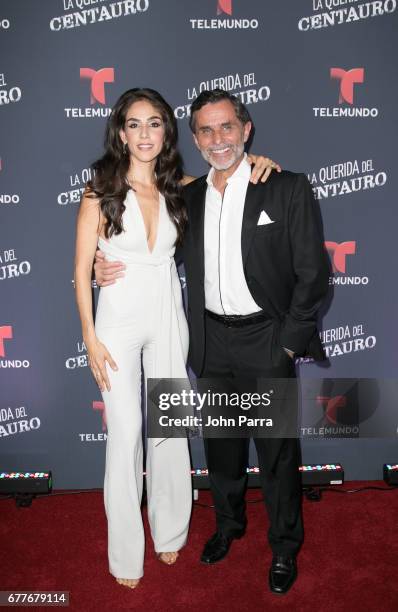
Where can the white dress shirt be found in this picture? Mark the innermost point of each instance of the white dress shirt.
(226, 290)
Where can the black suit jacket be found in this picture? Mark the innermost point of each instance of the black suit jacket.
(285, 262)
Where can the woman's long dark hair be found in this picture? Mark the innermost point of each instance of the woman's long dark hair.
(109, 182)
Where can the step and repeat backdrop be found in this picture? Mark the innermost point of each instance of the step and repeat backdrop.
(319, 79)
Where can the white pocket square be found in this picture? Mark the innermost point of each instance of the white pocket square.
(264, 219)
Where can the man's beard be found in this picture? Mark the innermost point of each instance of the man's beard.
(236, 150)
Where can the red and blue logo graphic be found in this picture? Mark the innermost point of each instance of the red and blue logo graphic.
(224, 6)
(97, 79)
(347, 78)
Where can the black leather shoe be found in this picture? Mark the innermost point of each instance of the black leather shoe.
(282, 573)
(217, 547)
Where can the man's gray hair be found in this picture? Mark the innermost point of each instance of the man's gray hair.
(217, 95)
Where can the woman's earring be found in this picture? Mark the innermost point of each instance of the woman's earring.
(126, 148)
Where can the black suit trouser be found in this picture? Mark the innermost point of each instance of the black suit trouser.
(253, 351)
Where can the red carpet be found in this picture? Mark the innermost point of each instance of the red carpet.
(349, 559)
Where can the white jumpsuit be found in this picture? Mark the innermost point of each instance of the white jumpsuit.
(142, 313)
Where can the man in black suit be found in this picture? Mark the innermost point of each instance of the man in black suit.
(256, 272)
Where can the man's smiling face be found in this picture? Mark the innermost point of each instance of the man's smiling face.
(219, 135)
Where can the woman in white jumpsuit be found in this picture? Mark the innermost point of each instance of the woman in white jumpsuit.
(141, 315)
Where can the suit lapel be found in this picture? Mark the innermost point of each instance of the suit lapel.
(253, 204)
(197, 221)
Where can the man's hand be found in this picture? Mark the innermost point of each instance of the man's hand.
(106, 272)
(263, 167)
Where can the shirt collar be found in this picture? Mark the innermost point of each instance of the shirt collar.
(243, 171)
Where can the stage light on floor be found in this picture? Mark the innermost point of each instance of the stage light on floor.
(313, 475)
(24, 486)
(200, 478)
(390, 474)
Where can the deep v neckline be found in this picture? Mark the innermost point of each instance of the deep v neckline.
(143, 223)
